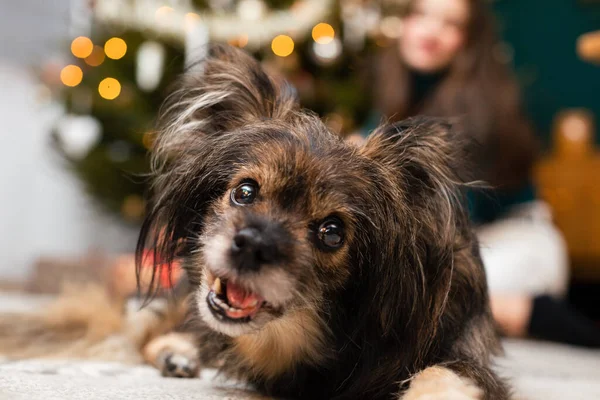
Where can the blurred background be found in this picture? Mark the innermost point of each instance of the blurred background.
(82, 81)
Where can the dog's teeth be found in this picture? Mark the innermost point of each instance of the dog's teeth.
(217, 286)
(222, 304)
(253, 303)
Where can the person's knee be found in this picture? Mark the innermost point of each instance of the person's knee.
(525, 257)
(552, 259)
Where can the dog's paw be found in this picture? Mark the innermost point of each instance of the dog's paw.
(173, 354)
(179, 366)
(439, 383)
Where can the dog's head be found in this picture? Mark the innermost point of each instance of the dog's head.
(276, 216)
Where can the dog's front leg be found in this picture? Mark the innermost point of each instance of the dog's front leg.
(174, 354)
(441, 383)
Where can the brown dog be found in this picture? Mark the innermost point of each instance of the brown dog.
(319, 269)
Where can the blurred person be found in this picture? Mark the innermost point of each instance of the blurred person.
(446, 64)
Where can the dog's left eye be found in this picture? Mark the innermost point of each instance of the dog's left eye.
(331, 233)
(245, 193)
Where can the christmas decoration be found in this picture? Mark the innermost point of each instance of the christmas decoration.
(588, 47)
(126, 53)
(78, 134)
(149, 65)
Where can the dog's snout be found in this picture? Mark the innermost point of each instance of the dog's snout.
(252, 248)
(248, 237)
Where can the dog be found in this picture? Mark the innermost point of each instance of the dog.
(317, 268)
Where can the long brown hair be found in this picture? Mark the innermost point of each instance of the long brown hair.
(480, 90)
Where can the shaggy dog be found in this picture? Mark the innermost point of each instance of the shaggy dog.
(319, 269)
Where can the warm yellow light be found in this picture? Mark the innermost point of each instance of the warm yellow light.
(148, 139)
(133, 207)
(391, 27)
(282, 45)
(240, 41)
(243, 40)
(323, 33)
(115, 48)
(191, 20)
(109, 88)
(96, 58)
(162, 12)
(71, 75)
(82, 47)
(382, 42)
(588, 47)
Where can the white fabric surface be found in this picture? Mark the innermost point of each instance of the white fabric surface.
(524, 253)
(537, 370)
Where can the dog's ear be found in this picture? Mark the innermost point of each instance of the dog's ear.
(225, 91)
(422, 164)
(428, 158)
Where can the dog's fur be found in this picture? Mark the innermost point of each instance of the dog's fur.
(400, 309)
(87, 321)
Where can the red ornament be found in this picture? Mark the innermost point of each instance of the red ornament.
(168, 275)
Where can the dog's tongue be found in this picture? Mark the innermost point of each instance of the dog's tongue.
(241, 298)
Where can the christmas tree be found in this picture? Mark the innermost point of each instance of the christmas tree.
(120, 74)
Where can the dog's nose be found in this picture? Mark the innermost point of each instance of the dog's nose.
(250, 249)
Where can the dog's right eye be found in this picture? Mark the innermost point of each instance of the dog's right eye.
(245, 193)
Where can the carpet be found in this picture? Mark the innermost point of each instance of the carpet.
(537, 370)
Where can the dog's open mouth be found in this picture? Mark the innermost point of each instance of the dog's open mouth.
(230, 301)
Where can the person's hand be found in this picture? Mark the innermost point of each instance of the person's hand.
(512, 313)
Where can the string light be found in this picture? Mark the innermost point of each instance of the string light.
(148, 139)
(109, 88)
(391, 27)
(81, 47)
(323, 33)
(240, 41)
(162, 13)
(115, 48)
(71, 75)
(328, 52)
(191, 20)
(96, 58)
(588, 47)
(243, 40)
(282, 45)
(251, 10)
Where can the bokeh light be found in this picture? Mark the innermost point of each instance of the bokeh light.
(588, 47)
(162, 13)
(328, 52)
(81, 47)
(251, 10)
(323, 33)
(71, 75)
(148, 139)
(391, 27)
(282, 45)
(240, 41)
(96, 58)
(115, 48)
(109, 88)
(382, 41)
(133, 207)
(243, 40)
(191, 20)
